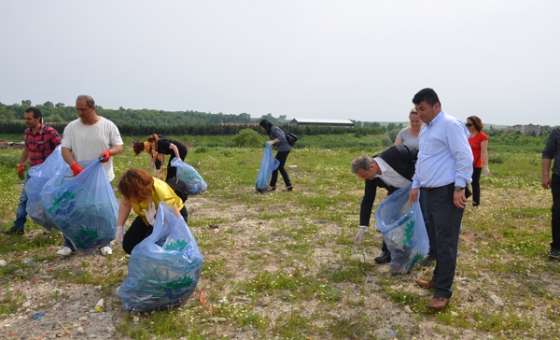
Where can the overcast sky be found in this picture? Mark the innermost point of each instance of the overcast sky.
(305, 58)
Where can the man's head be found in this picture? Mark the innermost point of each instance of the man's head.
(365, 167)
(427, 104)
(33, 117)
(85, 105)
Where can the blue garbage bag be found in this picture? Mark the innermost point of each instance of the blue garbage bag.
(37, 177)
(403, 230)
(268, 165)
(191, 180)
(83, 207)
(163, 269)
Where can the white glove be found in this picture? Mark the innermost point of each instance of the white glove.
(486, 171)
(120, 234)
(362, 230)
(150, 214)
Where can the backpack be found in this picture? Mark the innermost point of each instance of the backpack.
(291, 138)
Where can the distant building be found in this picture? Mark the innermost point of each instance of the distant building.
(322, 122)
(530, 129)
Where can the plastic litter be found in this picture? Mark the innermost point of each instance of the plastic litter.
(268, 165)
(163, 269)
(192, 181)
(403, 230)
(83, 207)
(38, 176)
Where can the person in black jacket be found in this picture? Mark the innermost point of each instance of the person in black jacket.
(280, 142)
(391, 170)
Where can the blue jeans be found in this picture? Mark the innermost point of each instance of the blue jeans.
(21, 212)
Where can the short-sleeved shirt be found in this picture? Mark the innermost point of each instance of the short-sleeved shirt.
(552, 150)
(41, 144)
(476, 146)
(161, 192)
(88, 142)
(282, 145)
(163, 146)
(408, 139)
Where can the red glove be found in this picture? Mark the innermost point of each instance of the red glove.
(76, 168)
(105, 156)
(20, 170)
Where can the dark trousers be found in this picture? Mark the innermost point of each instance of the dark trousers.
(281, 156)
(139, 230)
(476, 185)
(555, 186)
(443, 221)
(171, 170)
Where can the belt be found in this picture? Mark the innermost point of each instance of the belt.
(438, 188)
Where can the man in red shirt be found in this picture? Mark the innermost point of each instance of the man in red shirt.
(40, 142)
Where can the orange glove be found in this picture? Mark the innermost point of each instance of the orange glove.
(76, 168)
(105, 156)
(20, 170)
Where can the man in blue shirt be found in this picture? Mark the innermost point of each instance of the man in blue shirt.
(443, 170)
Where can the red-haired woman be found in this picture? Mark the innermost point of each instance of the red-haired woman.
(143, 193)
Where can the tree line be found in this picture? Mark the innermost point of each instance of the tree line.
(147, 121)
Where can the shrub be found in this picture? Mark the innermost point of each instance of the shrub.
(248, 138)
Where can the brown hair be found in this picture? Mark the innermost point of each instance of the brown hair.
(153, 138)
(138, 147)
(136, 185)
(476, 122)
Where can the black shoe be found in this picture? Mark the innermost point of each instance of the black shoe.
(290, 188)
(385, 257)
(14, 231)
(271, 188)
(554, 254)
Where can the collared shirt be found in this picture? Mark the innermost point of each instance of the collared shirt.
(445, 155)
(552, 150)
(389, 175)
(161, 192)
(41, 144)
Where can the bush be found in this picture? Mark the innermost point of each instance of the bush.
(248, 138)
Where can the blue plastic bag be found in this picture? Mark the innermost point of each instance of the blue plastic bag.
(37, 177)
(83, 207)
(194, 184)
(403, 230)
(163, 269)
(268, 165)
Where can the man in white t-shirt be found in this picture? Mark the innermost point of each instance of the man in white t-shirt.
(86, 139)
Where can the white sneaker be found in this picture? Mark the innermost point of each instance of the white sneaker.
(64, 251)
(106, 251)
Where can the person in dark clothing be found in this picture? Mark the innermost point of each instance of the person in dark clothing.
(391, 170)
(552, 151)
(158, 147)
(279, 141)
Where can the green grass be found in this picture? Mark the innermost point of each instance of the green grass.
(283, 265)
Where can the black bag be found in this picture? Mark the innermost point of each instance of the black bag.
(291, 138)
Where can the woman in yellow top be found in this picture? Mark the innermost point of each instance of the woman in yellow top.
(142, 193)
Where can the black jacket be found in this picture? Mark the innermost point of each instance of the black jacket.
(403, 160)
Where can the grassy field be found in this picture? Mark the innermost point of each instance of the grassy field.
(283, 265)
